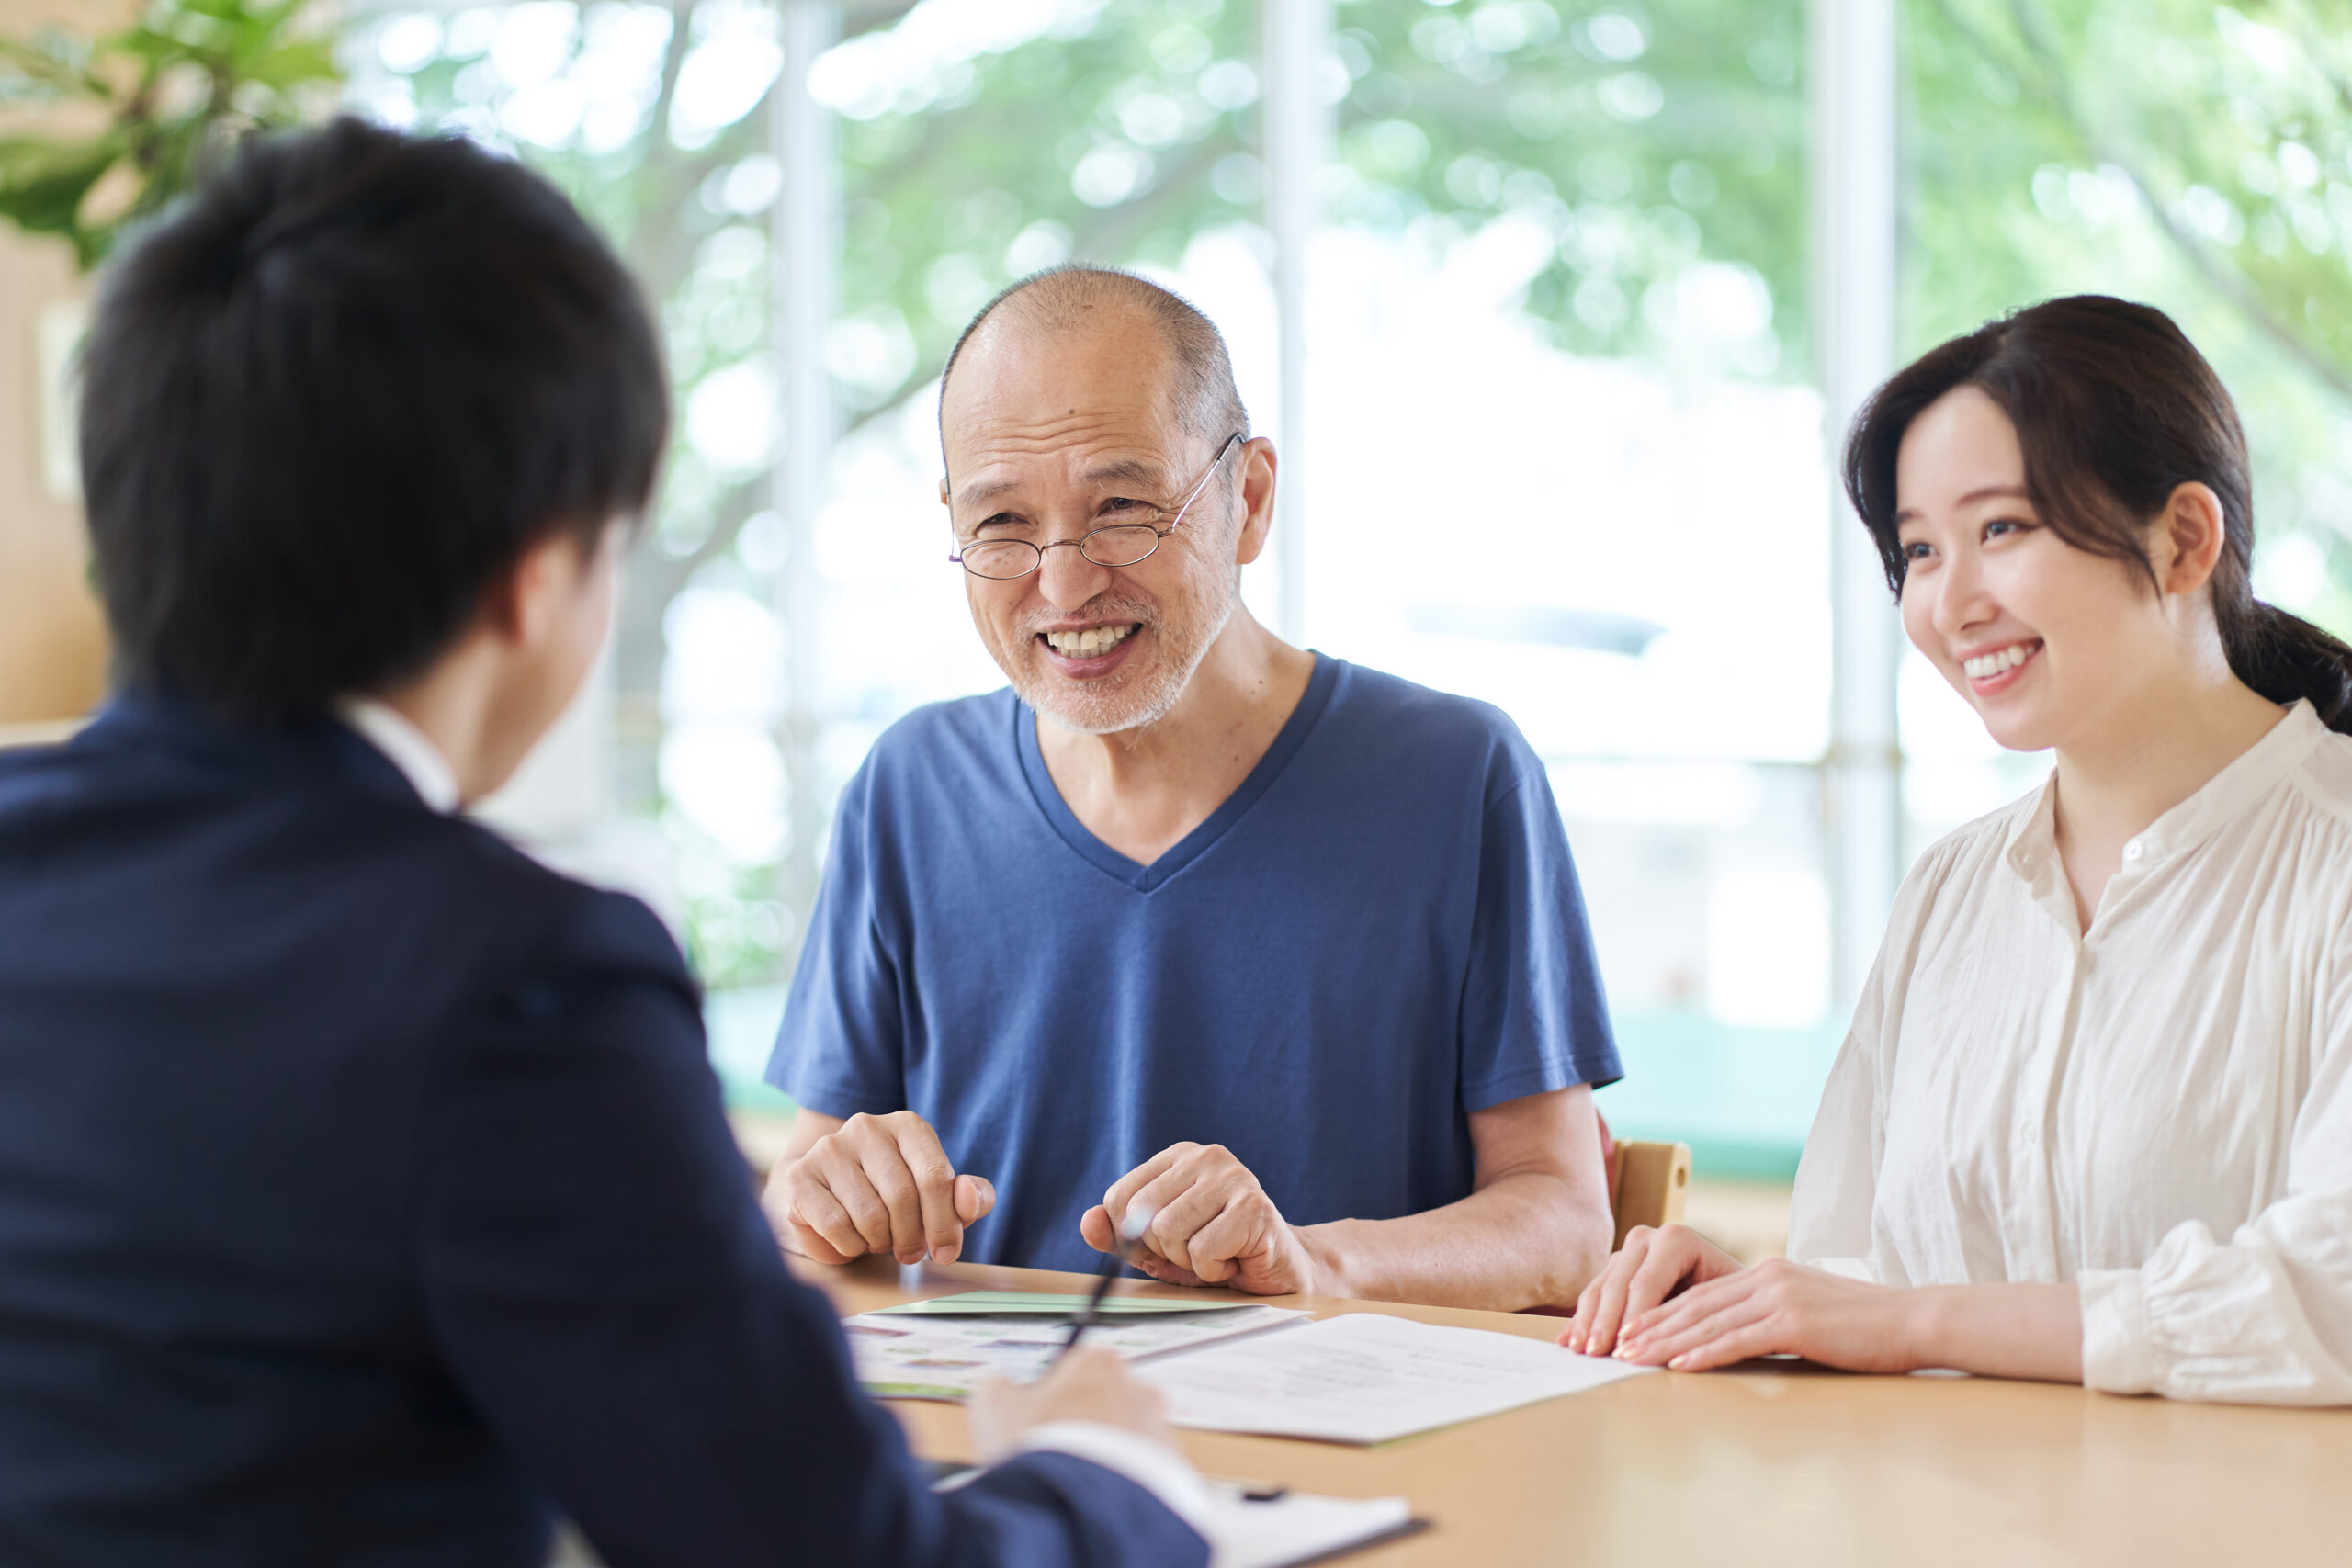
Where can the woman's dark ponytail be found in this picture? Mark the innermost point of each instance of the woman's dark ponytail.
(2285, 656)
(2114, 410)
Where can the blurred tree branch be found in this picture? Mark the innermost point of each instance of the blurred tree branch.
(2043, 63)
(172, 86)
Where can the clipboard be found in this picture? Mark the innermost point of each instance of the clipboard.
(1253, 1526)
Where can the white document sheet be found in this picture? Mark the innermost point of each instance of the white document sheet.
(1363, 1377)
(902, 1356)
(1296, 1528)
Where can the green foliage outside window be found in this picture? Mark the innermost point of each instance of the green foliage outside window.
(2185, 152)
(166, 90)
(1648, 138)
(2196, 156)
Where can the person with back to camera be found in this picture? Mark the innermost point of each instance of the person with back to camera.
(363, 1187)
(2094, 1120)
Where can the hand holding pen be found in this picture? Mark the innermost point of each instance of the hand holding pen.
(1130, 1231)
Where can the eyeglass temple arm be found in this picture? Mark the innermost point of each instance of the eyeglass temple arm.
(1185, 510)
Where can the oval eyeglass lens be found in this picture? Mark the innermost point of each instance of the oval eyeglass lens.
(1000, 558)
(1122, 545)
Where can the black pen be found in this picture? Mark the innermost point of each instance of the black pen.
(1130, 1232)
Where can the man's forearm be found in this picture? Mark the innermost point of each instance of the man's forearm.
(1524, 1240)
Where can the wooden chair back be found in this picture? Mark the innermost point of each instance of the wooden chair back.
(1649, 1186)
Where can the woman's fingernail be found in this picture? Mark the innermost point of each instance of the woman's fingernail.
(1675, 1364)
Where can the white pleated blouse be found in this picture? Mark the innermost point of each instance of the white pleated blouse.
(2156, 1109)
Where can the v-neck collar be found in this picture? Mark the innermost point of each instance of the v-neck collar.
(1193, 845)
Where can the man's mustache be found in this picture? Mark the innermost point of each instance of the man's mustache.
(1105, 608)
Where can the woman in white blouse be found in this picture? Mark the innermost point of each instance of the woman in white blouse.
(2094, 1118)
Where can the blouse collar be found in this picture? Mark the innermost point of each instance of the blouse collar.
(2034, 837)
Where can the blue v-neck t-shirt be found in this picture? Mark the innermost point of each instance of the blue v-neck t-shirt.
(1378, 933)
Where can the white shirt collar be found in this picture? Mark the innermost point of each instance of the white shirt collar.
(406, 747)
(2033, 835)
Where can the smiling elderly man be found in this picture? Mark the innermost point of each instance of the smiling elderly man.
(1288, 952)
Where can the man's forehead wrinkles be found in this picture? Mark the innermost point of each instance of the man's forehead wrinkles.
(1033, 439)
(993, 454)
(1005, 417)
(999, 472)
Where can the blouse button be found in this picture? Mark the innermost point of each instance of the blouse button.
(2132, 849)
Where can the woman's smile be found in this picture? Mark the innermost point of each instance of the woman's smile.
(1994, 670)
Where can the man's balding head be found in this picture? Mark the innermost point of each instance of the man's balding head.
(1079, 300)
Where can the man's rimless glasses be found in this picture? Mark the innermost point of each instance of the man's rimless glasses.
(1118, 544)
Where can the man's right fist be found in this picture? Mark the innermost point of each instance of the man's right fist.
(871, 1184)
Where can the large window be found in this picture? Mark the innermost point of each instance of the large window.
(1542, 299)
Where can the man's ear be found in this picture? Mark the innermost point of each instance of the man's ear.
(524, 600)
(1258, 474)
(2189, 537)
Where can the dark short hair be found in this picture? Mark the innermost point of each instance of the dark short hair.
(332, 395)
(1208, 403)
(2114, 411)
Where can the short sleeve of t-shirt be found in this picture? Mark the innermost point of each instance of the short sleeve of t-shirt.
(1533, 1015)
(841, 1049)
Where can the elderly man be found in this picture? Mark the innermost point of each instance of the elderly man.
(1285, 954)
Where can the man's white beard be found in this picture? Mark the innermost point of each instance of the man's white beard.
(1143, 706)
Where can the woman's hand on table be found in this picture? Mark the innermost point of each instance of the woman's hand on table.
(1672, 1298)
(1780, 1308)
(1089, 1384)
(1653, 1267)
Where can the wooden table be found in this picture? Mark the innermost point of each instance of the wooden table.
(1779, 1463)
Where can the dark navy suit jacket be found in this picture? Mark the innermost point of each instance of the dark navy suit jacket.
(364, 1193)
